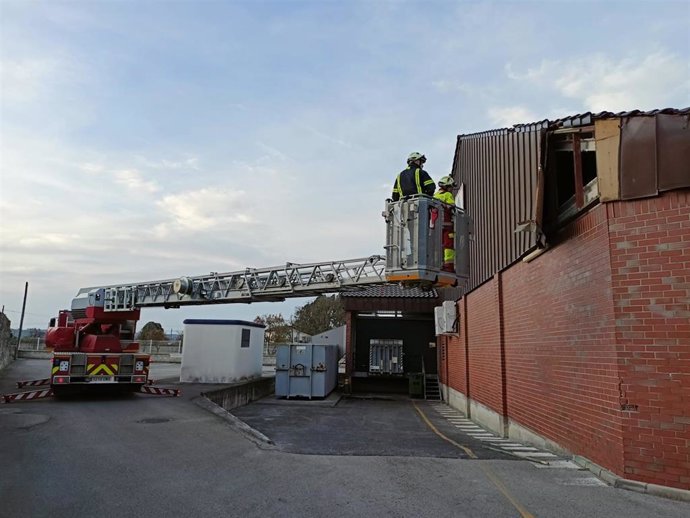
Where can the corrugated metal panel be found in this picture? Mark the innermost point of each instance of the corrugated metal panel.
(637, 173)
(499, 170)
(673, 140)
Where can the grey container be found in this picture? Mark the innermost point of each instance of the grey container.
(306, 370)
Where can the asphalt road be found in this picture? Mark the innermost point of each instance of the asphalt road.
(148, 456)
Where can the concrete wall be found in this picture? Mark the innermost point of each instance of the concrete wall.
(587, 347)
(242, 394)
(6, 351)
(335, 336)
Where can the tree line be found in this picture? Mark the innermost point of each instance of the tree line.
(323, 313)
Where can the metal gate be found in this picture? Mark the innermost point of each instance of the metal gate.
(385, 356)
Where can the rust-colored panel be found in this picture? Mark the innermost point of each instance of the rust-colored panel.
(673, 151)
(607, 135)
(637, 175)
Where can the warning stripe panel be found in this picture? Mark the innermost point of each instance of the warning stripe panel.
(101, 365)
(27, 396)
(102, 368)
(158, 391)
(33, 383)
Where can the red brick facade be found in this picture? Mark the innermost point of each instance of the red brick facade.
(588, 345)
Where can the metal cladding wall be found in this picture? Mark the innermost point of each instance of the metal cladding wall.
(499, 172)
(654, 154)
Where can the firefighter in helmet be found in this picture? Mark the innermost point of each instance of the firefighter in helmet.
(414, 179)
(445, 194)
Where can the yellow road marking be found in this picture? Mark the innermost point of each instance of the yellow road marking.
(469, 452)
(524, 513)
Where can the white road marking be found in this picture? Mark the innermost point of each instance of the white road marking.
(520, 447)
(589, 481)
(558, 464)
(535, 454)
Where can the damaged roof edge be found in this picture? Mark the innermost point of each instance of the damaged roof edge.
(577, 120)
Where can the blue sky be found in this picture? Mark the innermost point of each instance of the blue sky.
(149, 140)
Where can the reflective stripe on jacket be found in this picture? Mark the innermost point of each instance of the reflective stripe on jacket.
(413, 181)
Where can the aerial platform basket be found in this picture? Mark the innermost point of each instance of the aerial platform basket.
(414, 242)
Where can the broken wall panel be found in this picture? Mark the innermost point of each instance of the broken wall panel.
(607, 134)
(673, 144)
(637, 175)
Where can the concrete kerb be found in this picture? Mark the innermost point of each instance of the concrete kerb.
(221, 401)
(632, 485)
(237, 424)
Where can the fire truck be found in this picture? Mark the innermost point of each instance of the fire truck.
(93, 342)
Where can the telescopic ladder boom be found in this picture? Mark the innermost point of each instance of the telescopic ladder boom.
(249, 285)
(414, 256)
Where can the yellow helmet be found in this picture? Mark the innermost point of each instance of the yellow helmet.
(446, 181)
(416, 157)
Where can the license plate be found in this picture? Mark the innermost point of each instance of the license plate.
(101, 379)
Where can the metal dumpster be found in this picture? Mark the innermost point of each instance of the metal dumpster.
(306, 370)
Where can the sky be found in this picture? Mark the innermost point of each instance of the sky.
(144, 140)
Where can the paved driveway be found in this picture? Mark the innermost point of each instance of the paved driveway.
(168, 457)
(353, 426)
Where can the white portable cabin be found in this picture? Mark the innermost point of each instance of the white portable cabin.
(221, 351)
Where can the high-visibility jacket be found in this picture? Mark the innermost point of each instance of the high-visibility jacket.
(445, 197)
(413, 180)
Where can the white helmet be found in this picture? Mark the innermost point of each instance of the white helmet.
(446, 181)
(416, 157)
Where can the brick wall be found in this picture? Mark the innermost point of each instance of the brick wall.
(561, 367)
(484, 347)
(589, 344)
(650, 257)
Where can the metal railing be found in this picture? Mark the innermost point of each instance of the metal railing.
(145, 346)
(264, 284)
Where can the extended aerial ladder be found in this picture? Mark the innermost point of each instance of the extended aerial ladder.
(90, 340)
(414, 256)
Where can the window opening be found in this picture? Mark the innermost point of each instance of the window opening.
(246, 334)
(572, 172)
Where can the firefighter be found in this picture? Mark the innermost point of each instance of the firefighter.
(414, 179)
(445, 194)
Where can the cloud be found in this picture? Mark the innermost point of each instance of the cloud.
(656, 80)
(510, 115)
(51, 80)
(133, 180)
(205, 209)
(191, 163)
(24, 80)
